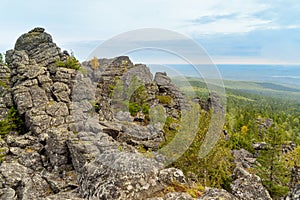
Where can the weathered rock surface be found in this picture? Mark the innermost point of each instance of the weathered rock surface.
(37, 164)
(214, 194)
(295, 185)
(243, 158)
(247, 186)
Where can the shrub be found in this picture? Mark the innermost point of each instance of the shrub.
(1, 59)
(12, 122)
(95, 63)
(70, 63)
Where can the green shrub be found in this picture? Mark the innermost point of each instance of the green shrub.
(1, 59)
(240, 141)
(70, 63)
(134, 108)
(276, 191)
(12, 122)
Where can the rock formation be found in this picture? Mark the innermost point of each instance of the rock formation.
(77, 140)
(69, 150)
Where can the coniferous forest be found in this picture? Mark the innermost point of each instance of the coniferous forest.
(265, 126)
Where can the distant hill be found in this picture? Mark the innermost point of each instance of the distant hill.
(262, 88)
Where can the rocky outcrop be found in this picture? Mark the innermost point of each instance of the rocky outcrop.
(295, 184)
(37, 163)
(78, 139)
(243, 158)
(247, 186)
(76, 144)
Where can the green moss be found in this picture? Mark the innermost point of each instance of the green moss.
(195, 190)
(164, 99)
(2, 84)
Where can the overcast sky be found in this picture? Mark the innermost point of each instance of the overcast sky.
(231, 31)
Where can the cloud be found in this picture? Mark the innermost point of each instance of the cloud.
(213, 18)
(232, 28)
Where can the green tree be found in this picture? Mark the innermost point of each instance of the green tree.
(271, 166)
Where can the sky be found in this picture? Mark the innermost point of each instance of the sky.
(231, 31)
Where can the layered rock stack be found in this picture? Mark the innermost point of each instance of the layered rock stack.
(68, 151)
(74, 144)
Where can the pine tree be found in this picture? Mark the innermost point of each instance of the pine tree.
(271, 166)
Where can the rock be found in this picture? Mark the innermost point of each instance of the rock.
(22, 98)
(247, 186)
(139, 71)
(123, 116)
(32, 40)
(167, 88)
(56, 147)
(213, 194)
(87, 146)
(171, 175)
(61, 91)
(73, 195)
(56, 109)
(60, 182)
(178, 196)
(286, 148)
(150, 136)
(26, 183)
(80, 144)
(294, 194)
(243, 158)
(31, 159)
(294, 185)
(259, 146)
(8, 194)
(119, 175)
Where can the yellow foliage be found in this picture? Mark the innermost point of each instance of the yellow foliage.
(95, 63)
(244, 129)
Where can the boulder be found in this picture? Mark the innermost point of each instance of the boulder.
(243, 158)
(247, 186)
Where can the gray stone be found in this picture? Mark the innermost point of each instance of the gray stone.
(38, 95)
(214, 194)
(178, 196)
(8, 194)
(243, 158)
(171, 175)
(56, 109)
(73, 195)
(60, 182)
(247, 186)
(61, 91)
(32, 40)
(56, 147)
(115, 175)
